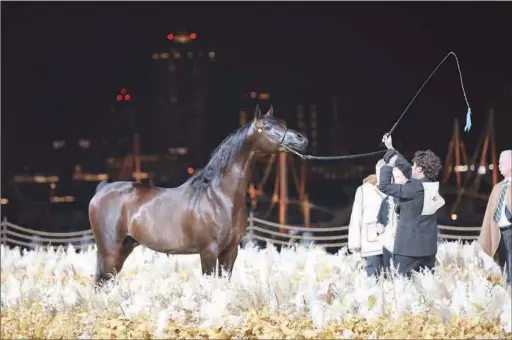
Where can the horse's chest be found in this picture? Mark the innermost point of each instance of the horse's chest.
(222, 225)
(227, 224)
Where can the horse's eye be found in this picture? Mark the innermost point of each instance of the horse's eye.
(268, 127)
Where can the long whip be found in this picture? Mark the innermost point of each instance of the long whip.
(466, 128)
(468, 114)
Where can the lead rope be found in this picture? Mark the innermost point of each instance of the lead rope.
(466, 128)
(333, 157)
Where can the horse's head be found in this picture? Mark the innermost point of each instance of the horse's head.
(271, 135)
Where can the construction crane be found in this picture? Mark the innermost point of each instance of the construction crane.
(284, 165)
(469, 175)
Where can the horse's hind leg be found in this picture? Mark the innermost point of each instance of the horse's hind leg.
(112, 247)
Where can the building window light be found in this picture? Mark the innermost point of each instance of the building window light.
(178, 151)
(264, 96)
(164, 56)
(190, 55)
(156, 56)
(84, 143)
(58, 144)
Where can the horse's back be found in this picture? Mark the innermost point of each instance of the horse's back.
(117, 189)
(117, 196)
(105, 187)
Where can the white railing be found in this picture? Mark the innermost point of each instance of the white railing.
(258, 229)
(263, 230)
(16, 235)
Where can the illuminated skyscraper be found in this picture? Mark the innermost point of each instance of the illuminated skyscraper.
(181, 79)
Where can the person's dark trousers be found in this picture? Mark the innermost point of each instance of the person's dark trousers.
(505, 252)
(407, 264)
(374, 265)
(386, 258)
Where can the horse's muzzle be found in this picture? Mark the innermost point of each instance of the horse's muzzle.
(296, 141)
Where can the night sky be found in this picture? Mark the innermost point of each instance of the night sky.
(62, 64)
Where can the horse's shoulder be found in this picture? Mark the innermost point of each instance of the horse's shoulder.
(143, 186)
(146, 193)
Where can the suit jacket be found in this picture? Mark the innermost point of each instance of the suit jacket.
(416, 234)
(490, 234)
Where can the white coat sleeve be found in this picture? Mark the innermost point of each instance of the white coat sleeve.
(354, 228)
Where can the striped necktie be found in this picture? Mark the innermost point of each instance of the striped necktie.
(501, 202)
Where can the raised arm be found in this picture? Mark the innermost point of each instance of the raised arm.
(403, 165)
(395, 158)
(403, 191)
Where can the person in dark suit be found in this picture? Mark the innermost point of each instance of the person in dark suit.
(415, 246)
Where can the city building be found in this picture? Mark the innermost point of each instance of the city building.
(180, 82)
(255, 95)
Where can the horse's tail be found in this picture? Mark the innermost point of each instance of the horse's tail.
(101, 185)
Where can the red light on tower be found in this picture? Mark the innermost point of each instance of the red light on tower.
(193, 36)
(170, 36)
(127, 97)
(123, 91)
(119, 97)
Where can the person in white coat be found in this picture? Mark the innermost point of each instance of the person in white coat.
(363, 232)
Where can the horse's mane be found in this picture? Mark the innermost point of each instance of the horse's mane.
(220, 158)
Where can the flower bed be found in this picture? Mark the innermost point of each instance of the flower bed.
(298, 293)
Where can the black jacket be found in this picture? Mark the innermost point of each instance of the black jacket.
(416, 234)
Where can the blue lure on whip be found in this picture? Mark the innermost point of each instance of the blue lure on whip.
(468, 114)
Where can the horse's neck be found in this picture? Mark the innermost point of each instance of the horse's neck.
(236, 177)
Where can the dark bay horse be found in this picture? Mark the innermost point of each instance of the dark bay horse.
(206, 215)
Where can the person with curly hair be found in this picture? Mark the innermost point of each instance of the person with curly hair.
(415, 245)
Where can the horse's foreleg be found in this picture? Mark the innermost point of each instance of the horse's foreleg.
(208, 260)
(227, 259)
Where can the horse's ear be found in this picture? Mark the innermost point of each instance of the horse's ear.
(270, 111)
(257, 113)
